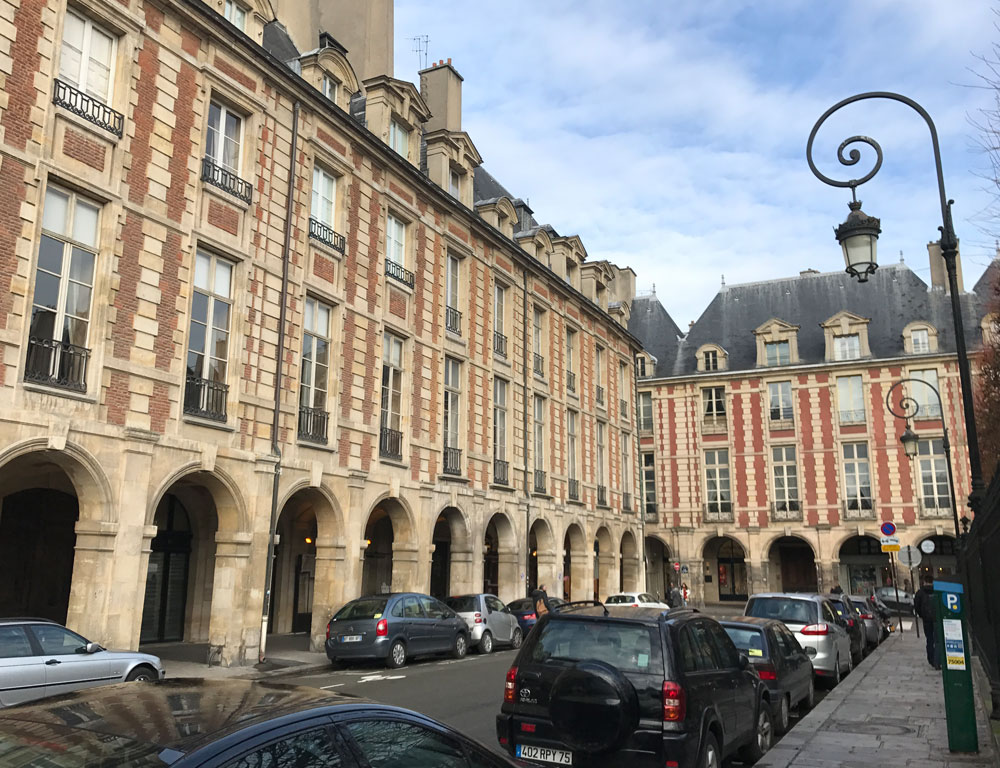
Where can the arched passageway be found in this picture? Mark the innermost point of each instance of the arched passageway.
(391, 561)
(451, 561)
(629, 573)
(293, 579)
(574, 564)
(604, 563)
(659, 568)
(500, 559)
(792, 565)
(725, 570)
(863, 565)
(543, 560)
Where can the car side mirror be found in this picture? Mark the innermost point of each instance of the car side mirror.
(744, 661)
(92, 648)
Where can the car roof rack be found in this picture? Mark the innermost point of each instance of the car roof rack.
(579, 604)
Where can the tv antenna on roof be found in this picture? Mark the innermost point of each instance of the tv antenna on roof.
(420, 45)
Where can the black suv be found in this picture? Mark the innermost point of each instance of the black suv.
(610, 686)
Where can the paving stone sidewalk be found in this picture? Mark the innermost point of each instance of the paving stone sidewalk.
(888, 712)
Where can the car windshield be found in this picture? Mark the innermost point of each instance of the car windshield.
(629, 647)
(621, 599)
(24, 743)
(860, 605)
(463, 604)
(363, 608)
(749, 640)
(524, 604)
(786, 609)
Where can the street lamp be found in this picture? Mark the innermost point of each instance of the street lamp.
(909, 440)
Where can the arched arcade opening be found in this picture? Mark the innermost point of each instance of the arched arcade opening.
(725, 570)
(792, 565)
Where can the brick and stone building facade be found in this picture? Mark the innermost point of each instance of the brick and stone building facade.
(201, 207)
(768, 455)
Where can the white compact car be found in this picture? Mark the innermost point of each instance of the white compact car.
(636, 600)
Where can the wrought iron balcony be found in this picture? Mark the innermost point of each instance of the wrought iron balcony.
(453, 320)
(600, 395)
(499, 344)
(714, 424)
(623, 408)
(859, 509)
(390, 444)
(650, 512)
(646, 424)
(539, 365)
(570, 381)
(783, 413)
(399, 273)
(574, 489)
(626, 501)
(225, 180)
(452, 461)
(312, 424)
(602, 496)
(935, 507)
(90, 109)
(56, 364)
(719, 512)
(786, 510)
(852, 417)
(500, 470)
(326, 235)
(540, 486)
(205, 399)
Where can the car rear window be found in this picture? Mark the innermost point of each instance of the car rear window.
(750, 641)
(786, 609)
(626, 646)
(524, 604)
(861, 606)
(620, 600)
(463, 604)
(365, 608)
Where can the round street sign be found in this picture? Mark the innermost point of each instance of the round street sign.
(888, 529)
(909, 556)
(677, 566)
(927, 546)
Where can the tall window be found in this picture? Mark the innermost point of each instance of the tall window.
(921, 340)
(539, 433)
(933, 474)
(857, 477)
(572, 417)
(499, 320)
(711, 358)
(601, 429)
(930, 408)
(315, 355)
(571, 353)
(324, 195)
(330, 87)
(847, 347)
(87, 57)
(454, 183)
(714, 404)
(395, 240)
(645, 411)
(225, 135)
(780, 396)
(208, 339)
(777, 353)
(599, 372)
(717, 495)
(453, 316)
(623, 388)
(626, 440)
(452, 401)
(392, 381)
(649, 482)
(850, 400)
(786, 479)
(640, 366)
(500, 419)
(399, 139)
(536, 341)
(236, 14)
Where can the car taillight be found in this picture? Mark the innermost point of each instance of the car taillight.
(766, 672)
(530, 617)
(674, 702)
(816, 629)
(510, 685)
(528, 727)
(850, 622)
(479, 618)
(867, 617)
(328, 631)
(635, 605)
(382, 628)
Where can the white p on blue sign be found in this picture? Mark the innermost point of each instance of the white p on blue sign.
(951, 596)
(952, 602)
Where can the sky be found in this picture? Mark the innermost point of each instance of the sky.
(670, 136)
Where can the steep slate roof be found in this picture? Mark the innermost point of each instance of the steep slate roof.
(989, 279)
(278, 43)
(659, 334)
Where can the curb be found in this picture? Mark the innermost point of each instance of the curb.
(286, 671)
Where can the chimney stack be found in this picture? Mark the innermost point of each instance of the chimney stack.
(939, 272)
(441, 88)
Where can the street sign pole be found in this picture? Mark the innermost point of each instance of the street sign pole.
(895, 584)
(956, 667)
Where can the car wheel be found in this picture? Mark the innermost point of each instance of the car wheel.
(810, 700)
(763, 736)
(141, 674)
(850, 663)
(710, 755)
(782, 717)
(517, 639)
(397, 655)
(486, 643)
(461, 646)
(836, 672)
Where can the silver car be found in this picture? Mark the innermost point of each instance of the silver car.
(816, 625)
(490, 621)
(870, 618)
(41, 658)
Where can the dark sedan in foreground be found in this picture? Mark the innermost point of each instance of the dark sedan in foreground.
(232, 724)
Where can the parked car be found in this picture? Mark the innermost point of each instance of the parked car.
(611, 686)
(40, 658)
(869, 616)
(395, 627)
(903, 602)
(490, 621)
(884, 614)
(815, 623)
(636, 600)
(855, 627)
(187, 723)
(782, 664)
(524, 611)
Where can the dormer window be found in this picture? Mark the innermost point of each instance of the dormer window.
(330, 88)
(454, 183)
(236, 15)
(920, 339)
(711, 358)
(847, 347)
(399, 139)
(846, 336)
(777, 343)
(777, 353)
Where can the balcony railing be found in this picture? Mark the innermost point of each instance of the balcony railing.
(574, 489)
(602, 496)
(600, 395)
(570, 381)
(859, 509)
(225, 180)
(623, 408)
(935, 507)
(719, 512)
(713, 425)
(852, 417)
(453, 320)
(399, 273)
(539, 365)
(499, 344)
(312, 424)
(500, 472)
(390, 444)
(781, 413)
(540, 486)
(452, 461)
(326, 235)
(626, 501)
(650, 512)
(646, 424)
(205, 399)
(66, 96)
(786, 510)
(56, 364)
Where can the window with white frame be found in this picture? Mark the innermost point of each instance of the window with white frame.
(717, 494)
(331, 88)
(713, 401)
(453, 319)
(500, 419)
(499, 320)
(850, 400)
(211, 308)
(780, 398)
(87, 57)
(539, 411)
(640, 366)
(454, 183)
(925, 393)
(572, 417)
(933, 474)
(324, 196)
(399, 138)
(626, 441)
(777, 353)
(599, 373)
(315, 372)
(847, 347)
(920, 339)
(649, 481)
(236, 14)
(857, 477)
(224, 137)
(538, 318)
(601, 437)
(392, 382)
(623, 388)
(711, 359)
(571, 360)
(395, 240)
(786, 478)
(645, 411)
(452, 401)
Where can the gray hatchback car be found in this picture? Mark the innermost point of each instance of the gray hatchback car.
(41, 658)
(490, 621)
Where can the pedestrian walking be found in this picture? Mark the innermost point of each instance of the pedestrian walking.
(541, 600)
(675, 600)
(924, 605)
(685, 593)
(837, 589)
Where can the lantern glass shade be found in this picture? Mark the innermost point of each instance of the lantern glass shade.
(909, 440)
(858, 237)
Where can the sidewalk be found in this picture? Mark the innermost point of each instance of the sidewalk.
(889, 712)
(286, 655)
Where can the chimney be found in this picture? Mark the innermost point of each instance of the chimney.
(939, 272)
(365, 29)
(441, 87)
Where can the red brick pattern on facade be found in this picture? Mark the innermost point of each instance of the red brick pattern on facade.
(223, 216)
(159, 407)
(830, 458)
(116, 398)
(25, 62)
(331, 142)
(759, 459)
(126, 298)
(878, 454)
(324, 268)
(398, 190)
(12, 193)
(137, 177)
(84, 149)
(505, 265)
(458, 232)
(233, 72)
(167, 316)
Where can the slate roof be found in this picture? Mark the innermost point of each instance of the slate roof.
(660, 336)
(277, 42)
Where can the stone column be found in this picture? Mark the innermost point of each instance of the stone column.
(549, 573)
(406, 568)
(93, 564)
(229, 587)
(461, 573)
(510, 568)
(607, 574)
(328, 588)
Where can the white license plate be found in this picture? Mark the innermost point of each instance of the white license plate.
(546, 755)
(350, 638)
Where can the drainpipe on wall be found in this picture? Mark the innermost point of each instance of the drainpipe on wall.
(524, 411)
(640, 497)
(279, 359)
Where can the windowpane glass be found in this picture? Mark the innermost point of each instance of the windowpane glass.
(223, 278)
(46, 290)
(85, 223)
(56, 211)
(72, 49)
(50, 255)
(202, 264)
(81, 266)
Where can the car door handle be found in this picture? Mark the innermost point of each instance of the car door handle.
(52, 662)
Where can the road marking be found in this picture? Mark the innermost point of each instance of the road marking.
(373, 678)
(327, 687)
